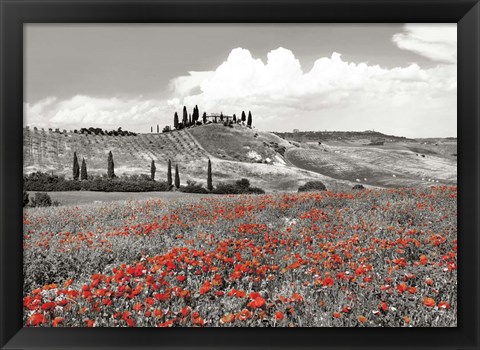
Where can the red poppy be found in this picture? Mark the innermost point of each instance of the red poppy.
(57, 320)
(443, 305)
(428, 302)
(383, 307)
(36, 319)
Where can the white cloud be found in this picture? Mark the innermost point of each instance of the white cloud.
(334, 94)
(85, 111)
(435, 41)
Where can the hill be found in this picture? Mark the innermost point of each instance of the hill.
(269, 161)
(50, 151)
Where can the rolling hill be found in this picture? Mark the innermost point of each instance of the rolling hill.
(275, 162)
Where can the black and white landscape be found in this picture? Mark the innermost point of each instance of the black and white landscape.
(240, 175)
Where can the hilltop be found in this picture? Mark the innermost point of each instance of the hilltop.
(273, 161)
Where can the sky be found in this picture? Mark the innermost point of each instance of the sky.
(399, 79)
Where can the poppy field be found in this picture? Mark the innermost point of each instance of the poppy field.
(369, 258)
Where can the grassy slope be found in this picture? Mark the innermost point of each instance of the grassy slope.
(242, 152)
(397, 164)
(50, 151)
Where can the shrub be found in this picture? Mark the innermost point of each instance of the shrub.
(255, 190)
(312, 186)
(243, 183)
(226, 189)
(134, 183)
(240, 187)
(358, 187)
(193, 187)
(42, 199)
(25, 198)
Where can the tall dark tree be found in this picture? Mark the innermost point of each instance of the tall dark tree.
(209, 176)
(234, 118)
(249, 122)
(151, 129)
(221, 116)
(185, 116)
(83, 172)
(169, 173)
(111, 166)
(204, 117)
(152, 170)
(76, 168)
(243, 116)
(197, 113)
(189, 119)
(158, 129)
(177, 177)
(175, 121)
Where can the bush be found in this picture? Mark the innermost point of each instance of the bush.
(222, 188)
(240, 187)
(243, 183)
(26, 200)
(358, 187)
(135, 183)
(42, 199)
(255, 190)
(312, 186)
(193, 187)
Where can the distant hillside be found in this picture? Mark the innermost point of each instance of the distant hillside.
(269, 161)
(51, 151)
(309, 136)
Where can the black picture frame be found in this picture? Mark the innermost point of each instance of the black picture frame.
(15, 13)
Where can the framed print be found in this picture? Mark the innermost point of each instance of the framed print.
(216, 174)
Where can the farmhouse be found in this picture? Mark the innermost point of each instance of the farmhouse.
(219, 117)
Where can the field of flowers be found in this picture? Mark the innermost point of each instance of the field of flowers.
(367, 258)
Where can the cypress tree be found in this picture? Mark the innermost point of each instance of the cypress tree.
(185, 116)
(175, 121)
(110, 169)
(177, 177)
(204, 118)
(151, 129)
(234, 118)
(76, 168)
(189, 119)
(152, 170)
(158, 129)
(197, 113)
(83, 174)
(209, 176)
(249, 122)
(169, 173)
(243, 116)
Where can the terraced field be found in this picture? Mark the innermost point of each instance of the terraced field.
(267, 160)
(51, 151)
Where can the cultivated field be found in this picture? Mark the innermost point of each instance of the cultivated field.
(268, 161)
(365, 258)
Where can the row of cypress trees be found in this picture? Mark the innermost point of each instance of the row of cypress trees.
(77, 171)
(82, 173)
(177, 174)
(191, 119)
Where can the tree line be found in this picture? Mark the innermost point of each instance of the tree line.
(81, 171)
(193, 119)
(241, 186)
